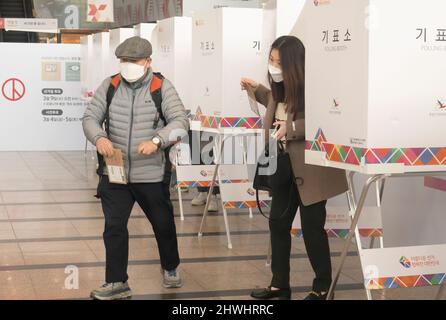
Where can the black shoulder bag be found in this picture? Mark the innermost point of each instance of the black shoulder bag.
(273, 171)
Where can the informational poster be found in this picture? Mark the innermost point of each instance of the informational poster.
(226, 47)
(382, 83)
(40, 97)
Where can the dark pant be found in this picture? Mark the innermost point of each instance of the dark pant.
(285, 203)
(117, 203)
(215, 191)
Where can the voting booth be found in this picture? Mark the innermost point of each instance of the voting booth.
(235, 188)
(86, 66)
(226, 47)
(172, 54)
(382, 82)
(146, 31)
(117, 36)
(279, 18)
(100, 62)
(375, 104)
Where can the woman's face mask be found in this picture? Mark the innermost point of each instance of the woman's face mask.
(132, 72)
(276, 73)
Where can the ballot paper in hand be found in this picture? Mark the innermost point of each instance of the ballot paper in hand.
(115, 168)
(252, 100)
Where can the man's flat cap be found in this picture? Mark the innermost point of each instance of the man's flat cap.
(134, 48)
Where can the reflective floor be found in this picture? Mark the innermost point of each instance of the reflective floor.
(51, 228)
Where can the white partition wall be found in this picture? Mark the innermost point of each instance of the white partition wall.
(100, 61)
(279, 19)
(172, 54)
(146, 31)
(191, 7)
(381, 82)
(86, 66)
(280, 16)
(226, 47)
(117, 36)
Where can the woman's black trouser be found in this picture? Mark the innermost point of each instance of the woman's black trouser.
(315, 237)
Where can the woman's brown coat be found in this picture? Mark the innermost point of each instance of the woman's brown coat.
(315, 183)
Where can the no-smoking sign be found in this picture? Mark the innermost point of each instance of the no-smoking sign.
(13, 89)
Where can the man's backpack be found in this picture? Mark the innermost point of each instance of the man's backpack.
(155, 91)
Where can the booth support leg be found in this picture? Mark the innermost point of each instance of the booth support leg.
(351, 233)
(206, 208)
(180, 200)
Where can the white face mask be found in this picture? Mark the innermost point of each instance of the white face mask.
(131, 72)
(276, 73)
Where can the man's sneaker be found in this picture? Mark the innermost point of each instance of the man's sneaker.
(172, 279)
(200, 199)
(112, 291)
(213, 204)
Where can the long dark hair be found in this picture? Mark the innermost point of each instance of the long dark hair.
(292, 58)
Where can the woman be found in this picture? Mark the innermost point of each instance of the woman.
(312, 186)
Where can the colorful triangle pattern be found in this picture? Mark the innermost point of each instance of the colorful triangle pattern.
(246, 204)
(193, 184)
(424, 280)
(197, 115)
(230, 122)
(433, 156)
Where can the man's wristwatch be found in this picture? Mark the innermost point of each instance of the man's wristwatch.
(157, 142)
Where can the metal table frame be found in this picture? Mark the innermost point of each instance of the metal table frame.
(218, 151)
(357, 207)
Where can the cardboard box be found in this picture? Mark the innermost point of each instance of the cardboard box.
(227, 47)
(375, 95)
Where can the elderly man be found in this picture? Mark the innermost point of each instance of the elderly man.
(143, 116)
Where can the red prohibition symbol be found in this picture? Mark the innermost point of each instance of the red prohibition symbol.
(13, 89)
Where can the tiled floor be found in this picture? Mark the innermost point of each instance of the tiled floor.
(49, 220)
